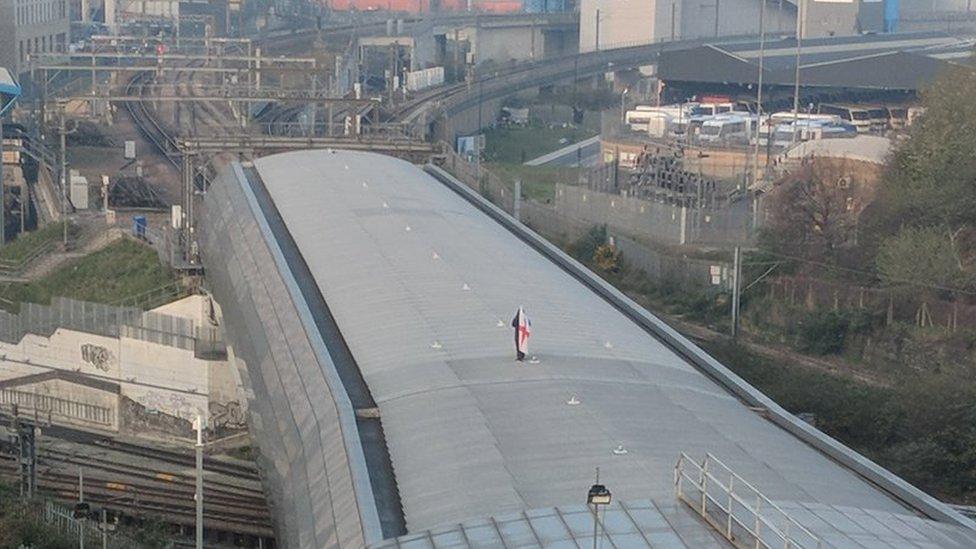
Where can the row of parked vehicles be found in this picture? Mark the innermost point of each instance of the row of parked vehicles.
(734, 123)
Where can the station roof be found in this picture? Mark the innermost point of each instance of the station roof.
(423, 285)
(9, 89)
(903, 61)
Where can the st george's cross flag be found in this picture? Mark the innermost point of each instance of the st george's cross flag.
(523, 329)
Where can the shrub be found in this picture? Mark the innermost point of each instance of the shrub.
(825, 333)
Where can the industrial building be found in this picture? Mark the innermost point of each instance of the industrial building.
(894, 64)
(368, 301)
(606, 24)
(31, 26)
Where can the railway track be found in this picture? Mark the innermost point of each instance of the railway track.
(124, 480)
(145, 120)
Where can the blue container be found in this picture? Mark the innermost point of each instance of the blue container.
(139, 226)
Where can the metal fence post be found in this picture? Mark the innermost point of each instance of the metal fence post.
(758, 533)
(729, 526)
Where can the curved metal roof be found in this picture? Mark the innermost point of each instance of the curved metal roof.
(422, 287)
(422, 284)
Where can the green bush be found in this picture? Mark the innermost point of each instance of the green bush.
(21, 525)
(827, 333)
(586, 246)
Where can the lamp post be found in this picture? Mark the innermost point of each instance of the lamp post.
(597, 496)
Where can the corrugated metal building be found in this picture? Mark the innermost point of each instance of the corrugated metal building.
(881, 61)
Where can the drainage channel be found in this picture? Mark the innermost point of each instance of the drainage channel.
(381, 476)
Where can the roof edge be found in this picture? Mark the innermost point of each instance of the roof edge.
(365, 500)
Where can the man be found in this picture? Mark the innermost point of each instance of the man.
(523, 328)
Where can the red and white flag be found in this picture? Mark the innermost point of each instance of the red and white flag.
(523, 329)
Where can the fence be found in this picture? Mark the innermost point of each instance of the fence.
(47, 405)
(558, 225)
(108, 320)
(660, 222)
(735, 508)
(688, 274)
(895, 305)
(95, 533)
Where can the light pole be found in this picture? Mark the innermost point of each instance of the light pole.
(623, 112)
(759, 85)
(597, 496)
(64, 175)
(198, 424)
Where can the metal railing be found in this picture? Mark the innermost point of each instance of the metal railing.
(96, 533)
(737, 509)
(51, 406)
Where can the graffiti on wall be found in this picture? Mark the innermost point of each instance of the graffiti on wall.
(97, 356)
(228, 415)
(168, 402)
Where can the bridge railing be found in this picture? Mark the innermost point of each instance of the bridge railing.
(736, 508)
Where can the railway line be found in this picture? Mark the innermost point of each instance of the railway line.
(135, 479)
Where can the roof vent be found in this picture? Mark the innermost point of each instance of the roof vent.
(465, 287)
(608, 345)
(385, 205)
(436, 345)
(573, 401)
(500, 323)
(620, 450)
(408, 228)
(434, 256)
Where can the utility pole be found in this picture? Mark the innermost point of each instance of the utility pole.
(762, 55)
(672, 20)
(800, 16)
(736, 282)
(81, 499)
(27, 442)
(716, 17)
(64, 178)
(596, 45)
(199, 483)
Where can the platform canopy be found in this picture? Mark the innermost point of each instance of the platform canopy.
(9, 90)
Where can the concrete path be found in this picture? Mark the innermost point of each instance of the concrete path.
(567, 156)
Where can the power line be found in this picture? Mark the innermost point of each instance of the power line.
(869, 273)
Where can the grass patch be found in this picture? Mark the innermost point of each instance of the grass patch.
(518, 145)
(18, 249)
(538, 182)
(114, 274)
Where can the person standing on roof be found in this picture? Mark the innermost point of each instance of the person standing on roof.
(523, 327)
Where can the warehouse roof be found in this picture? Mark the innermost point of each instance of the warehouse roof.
(882, 61)
(421, 285)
